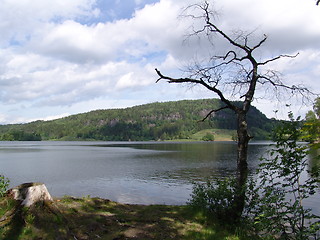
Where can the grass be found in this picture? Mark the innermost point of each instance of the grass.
(219, 134)
(96, 218)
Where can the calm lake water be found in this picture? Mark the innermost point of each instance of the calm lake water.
(130, 172)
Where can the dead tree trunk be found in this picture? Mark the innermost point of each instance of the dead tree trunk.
(242, 165)
(237, 71)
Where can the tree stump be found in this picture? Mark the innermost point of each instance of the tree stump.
(30, 193)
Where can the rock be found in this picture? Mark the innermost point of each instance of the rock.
(30, 193)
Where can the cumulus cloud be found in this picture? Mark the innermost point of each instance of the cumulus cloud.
(290, 25)
(20, 18)
(58, 54)
(151, 28)
(73, 62)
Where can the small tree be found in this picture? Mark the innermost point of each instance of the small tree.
(276, 203)
(312, 124)
(275, 198)
(237, 71)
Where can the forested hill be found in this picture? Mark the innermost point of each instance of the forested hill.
(155, 121)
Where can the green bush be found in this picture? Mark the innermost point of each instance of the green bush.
(215, 198)
(208, 137)
(276, 202)
(4, 184)
(275, 198)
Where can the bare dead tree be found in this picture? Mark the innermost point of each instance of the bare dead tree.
(237, 69)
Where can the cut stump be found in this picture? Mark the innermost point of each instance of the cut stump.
(30, 193)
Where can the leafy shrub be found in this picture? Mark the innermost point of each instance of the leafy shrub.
(215, 198)
(4, 184)
(208, 137)
(276, 203)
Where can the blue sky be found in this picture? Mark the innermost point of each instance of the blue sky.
(59, 57)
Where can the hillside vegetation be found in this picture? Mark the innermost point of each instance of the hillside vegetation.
(154, 121)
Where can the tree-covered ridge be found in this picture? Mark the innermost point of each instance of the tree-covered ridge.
(154, 121)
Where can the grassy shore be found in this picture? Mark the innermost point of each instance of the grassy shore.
(96, 218)
(219, 134)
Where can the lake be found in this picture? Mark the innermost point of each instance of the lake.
(127, 172)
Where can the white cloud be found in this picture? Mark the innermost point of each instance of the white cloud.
(289, 24)
(153, 27)
(53, 55)
(47, 118)
(19, 18)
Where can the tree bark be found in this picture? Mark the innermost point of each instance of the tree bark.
(243, 141)
(242, 165)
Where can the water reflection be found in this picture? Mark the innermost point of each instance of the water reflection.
(137, 172)
(197, 161)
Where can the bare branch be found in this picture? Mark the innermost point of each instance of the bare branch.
(213, 111)
(260, 43)
(231, 51)
(214, 28)
(176, 80)
(301, 89)
(201, 82)
(278, 57)
(233, 59)
(210, 26)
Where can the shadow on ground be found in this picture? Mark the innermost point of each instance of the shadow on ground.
(95, 218)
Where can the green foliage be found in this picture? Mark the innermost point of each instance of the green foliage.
(312, 124)
(215, 198)
(155, 121)
(275, 198)
(123, 131)
(208, 137)
(4, 184)
(20, 135)
(276, 203)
